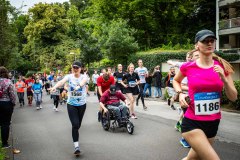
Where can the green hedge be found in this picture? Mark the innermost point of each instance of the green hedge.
(236, 104)
(152, 59)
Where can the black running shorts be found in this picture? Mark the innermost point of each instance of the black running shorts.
(29, 93)
(210, 128)
(133, 90)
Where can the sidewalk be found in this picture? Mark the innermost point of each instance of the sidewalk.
(229, 130)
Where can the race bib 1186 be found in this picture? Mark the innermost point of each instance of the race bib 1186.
(207, 103)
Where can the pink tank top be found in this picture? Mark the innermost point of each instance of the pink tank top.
(205, 88)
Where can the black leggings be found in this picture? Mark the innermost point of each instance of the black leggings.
(21, 97)
(76, 114)
(55, 100)
(6, 110)
(141, 87)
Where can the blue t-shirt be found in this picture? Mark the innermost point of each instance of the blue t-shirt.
(76, 94)
(50, 78)
(37, 88)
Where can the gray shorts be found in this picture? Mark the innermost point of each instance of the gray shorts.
(171, 92)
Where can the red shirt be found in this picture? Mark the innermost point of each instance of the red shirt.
(29, 83)
(105, 84)
(107, 98)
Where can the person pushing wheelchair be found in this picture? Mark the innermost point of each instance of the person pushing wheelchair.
(111, 100)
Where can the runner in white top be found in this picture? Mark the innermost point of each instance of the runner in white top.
(94, 80)
(76, 103)
(142, 73)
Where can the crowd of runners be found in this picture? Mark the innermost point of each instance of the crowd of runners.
(199, 95)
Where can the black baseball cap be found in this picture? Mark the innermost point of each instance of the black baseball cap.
(113, 89)
(77, 64)
(201, 35)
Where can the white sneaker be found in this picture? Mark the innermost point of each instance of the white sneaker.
(56, 110)
(38, 108)
(179, 110)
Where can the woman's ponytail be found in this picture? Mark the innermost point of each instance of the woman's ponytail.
(228, 68)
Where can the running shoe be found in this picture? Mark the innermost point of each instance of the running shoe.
(38, 108)
(178, 126)
(184, 143)
(77, 151)
(134, 116)
(16, 151)
(137, 103)
(172, 106)
(5, 146)
(144, 107)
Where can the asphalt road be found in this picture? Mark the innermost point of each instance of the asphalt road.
(46, 135)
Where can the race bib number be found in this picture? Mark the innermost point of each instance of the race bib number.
(30, 84)
(132, 84)
(207, 103)
(19, 86)
(37, 91)
(56, 93)
(171, 80)
(119, 80)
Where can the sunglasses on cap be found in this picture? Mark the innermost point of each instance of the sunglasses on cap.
(76, 67)
(206, 41)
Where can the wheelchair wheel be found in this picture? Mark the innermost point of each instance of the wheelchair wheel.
(106, 121)
(130, 127)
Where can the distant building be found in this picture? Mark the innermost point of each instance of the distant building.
(228, 30)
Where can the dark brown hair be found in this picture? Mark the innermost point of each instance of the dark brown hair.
(3, 72)
(106, 76)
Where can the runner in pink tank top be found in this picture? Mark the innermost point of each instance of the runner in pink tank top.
(206, 79)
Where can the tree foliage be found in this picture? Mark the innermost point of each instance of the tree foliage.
(97, 29)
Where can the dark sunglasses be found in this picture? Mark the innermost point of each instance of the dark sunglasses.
(75, 67)
(206, 41)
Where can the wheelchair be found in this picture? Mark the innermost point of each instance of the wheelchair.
(109, 120)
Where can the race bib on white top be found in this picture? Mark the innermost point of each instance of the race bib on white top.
(207, 103)
(76, 94)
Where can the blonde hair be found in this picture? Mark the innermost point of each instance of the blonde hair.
(226, 65)
(131, 64)
(190, 53)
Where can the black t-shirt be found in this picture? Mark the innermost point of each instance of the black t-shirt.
(169, 80)
(149, 79)
(119, 76)
(131, 77)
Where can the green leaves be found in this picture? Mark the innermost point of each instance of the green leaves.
(119, 42)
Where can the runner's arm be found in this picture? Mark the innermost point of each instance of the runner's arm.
(60, 83)
(177, 86)
(100, 90)
(230, 89)
(103, 107)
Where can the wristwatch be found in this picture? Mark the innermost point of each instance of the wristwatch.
(178, 92)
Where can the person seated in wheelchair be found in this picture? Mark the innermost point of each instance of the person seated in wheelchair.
(111, 100)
